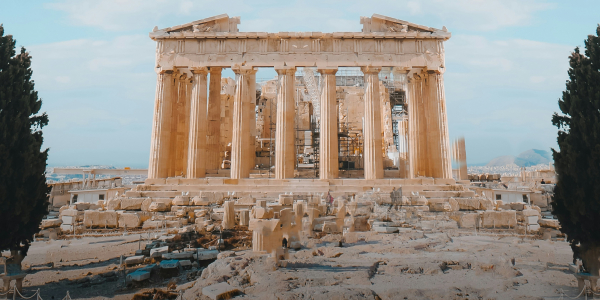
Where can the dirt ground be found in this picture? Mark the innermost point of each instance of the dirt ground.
(412, 264)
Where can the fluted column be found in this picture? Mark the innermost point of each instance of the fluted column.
(198, 124)
(284, 131)
(439, 142)
(373, 160)
(251, 109)
(241, 125)
(213, 139)
(328, 132)
(161, 126)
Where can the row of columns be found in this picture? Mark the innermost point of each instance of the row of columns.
(429, 148)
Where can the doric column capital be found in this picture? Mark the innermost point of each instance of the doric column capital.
(327, 70)
(370, 70)
(243, 70)
(215, 70)
(199, 70)
(165, 71)
(285, 70)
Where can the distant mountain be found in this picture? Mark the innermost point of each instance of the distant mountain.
(501, 161)
(528, 158)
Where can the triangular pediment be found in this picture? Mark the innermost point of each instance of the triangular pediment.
(380, 23)
(219, 23)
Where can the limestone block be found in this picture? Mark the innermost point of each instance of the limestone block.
(178, 256)
(158, 206)
(468, 220)
(220, 291)
(138, 275)
(419, 201)
(66, 227)
(261, 203)
(200, 201)
(101, 203)
(359, 223)
(229, 215)
(244, 217)
(51, 223)
(533, 227)
(113, 204)
(453, 204)
(549, 223)
(263, 213)
(468, 203)
(181, 200)
(146, 204)
(199, 213)
(94, 218)
(404, 201)
(129, 220)
(132, 203)
(286, 199)
(246, 200)
(330, 227)
(150, 224)
(529, 220)
(134, 260)
(499, 219)
(51, 233)
(175, 223)
(206, 254)
(158, 252)
(385, 229)
(517, 206)
(440, 207)
(486, 204)
(216, 216)
(95, 206)
(81, 206)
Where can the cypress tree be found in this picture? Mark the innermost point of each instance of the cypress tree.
(23, 188)
(576, 201)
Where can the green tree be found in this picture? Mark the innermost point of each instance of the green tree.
(576, 201)
(23, 188)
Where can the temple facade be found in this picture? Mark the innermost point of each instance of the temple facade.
(188, 132)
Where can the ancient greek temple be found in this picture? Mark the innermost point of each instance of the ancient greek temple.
(383, 116)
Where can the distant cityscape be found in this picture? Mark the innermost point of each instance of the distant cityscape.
(52, 177)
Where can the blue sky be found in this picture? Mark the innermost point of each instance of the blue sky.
(93, 63)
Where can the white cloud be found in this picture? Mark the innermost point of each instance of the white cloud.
(475, 15)
(513, 63)
(120, 15)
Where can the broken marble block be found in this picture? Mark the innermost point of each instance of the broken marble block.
(95, 218)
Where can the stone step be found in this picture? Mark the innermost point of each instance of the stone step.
(447, 194)
(395, 182)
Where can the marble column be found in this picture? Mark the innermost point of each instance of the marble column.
(439, 140)
(328, 139)
(284, 132)
(213, 138)
(198, 124)
(416, 127)
(251, 109)
(161, 126)
(372, 139)
(241, 124)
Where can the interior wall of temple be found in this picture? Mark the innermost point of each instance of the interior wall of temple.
(350, 107)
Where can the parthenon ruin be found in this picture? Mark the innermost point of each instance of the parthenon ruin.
(376, 107)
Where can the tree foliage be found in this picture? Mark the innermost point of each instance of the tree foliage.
(23, 188)
(576, 201)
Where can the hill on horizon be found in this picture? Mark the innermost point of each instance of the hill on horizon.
(527, 158)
